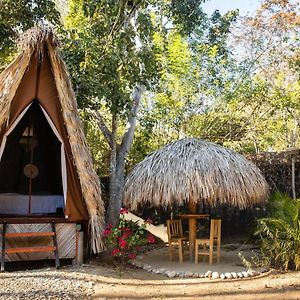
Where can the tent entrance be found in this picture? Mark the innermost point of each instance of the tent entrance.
(32, 166)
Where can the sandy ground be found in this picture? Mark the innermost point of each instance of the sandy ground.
(102, 281)
(138, 284)
(230, 261)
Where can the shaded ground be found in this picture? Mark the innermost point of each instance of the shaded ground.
(158, 259)
(102, 281)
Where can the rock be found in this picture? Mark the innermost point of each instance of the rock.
(245, 274)
(171, 274)
(222, 276)
(234, 275)
(215, 275)
(189, 274)
(195, 275)
(250, 272)
(147, 267)
(240, 275)
(201, 275)
(207, 274)
(181, 275)
(228, 275)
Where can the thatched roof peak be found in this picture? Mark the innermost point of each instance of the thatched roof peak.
(35, 37)
(194, 170)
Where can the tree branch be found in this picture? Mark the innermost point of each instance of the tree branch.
(100, 122)
(128, 136)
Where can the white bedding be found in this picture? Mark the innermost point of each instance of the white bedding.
(17, 204)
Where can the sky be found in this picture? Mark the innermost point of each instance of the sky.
(223, 6)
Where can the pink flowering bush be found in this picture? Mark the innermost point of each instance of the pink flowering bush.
(126, 238)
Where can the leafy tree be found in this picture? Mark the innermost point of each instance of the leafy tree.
(17, 16)
(112, 61)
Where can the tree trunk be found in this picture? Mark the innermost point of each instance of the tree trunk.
(118, 154)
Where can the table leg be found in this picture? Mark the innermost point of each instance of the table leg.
(192, 236)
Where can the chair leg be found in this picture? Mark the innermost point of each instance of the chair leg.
(180, 249)
(218, 251)
(196, 252)
(211, 252)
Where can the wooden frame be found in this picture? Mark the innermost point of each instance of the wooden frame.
(214, 240)
(175, 237)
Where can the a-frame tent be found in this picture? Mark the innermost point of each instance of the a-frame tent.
(45, 165)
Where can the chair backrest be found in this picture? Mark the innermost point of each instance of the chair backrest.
(215, 229)
(174, 228)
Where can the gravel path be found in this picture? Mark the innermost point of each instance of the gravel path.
(45, 284)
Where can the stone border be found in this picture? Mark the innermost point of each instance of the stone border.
(208, 274)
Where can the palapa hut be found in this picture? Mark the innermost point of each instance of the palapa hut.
(190, 171)
(46, 171)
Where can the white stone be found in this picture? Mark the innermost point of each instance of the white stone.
(147, 267)
(251, 272)
(245, 274)
(171, 274)
(207, 274)
(195, 275)
(222, 276)
(234, 275)
(228, 275)
(240, 274)
(215, 275)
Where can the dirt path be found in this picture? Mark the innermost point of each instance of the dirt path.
(102, 281)
(138, 284)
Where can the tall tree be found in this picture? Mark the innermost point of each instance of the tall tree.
(111, 54)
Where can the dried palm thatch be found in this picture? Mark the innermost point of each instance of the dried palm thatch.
(33, 40)
(192, 170)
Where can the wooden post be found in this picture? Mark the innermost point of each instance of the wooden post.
(192, 207)
(192, 227)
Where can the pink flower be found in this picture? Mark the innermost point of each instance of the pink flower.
(126, 234)
(107, 232)
(122, 243)
(109, 226)
(115, 252)
(123, 211)
(132, 256)
(150, 239)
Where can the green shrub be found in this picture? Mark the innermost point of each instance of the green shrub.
(279, 233)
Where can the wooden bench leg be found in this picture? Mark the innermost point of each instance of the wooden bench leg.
(3, 247)
(196, 251)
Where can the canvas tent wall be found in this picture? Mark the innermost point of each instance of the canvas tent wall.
(38, 78)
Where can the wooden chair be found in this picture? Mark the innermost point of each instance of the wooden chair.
(175, 237)
(214, 240)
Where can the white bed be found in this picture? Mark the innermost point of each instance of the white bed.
(17, 204)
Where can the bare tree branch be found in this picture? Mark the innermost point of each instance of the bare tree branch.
(102, 126)
(128, 136)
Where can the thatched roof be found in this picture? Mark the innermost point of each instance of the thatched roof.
(10, 79)
(194, 170)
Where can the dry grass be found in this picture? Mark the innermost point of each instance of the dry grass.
(35, 39)
(194, 170)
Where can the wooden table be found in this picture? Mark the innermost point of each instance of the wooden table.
(193, 229)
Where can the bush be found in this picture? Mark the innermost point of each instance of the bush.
(279, 233)
(125, 239)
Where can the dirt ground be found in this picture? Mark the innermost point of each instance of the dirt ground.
(99, 280)
(136, 283)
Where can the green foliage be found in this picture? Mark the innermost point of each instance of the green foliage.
(17, 16)
(125, 239)
(280, 232)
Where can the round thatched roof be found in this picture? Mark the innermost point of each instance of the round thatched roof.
(194, 170)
